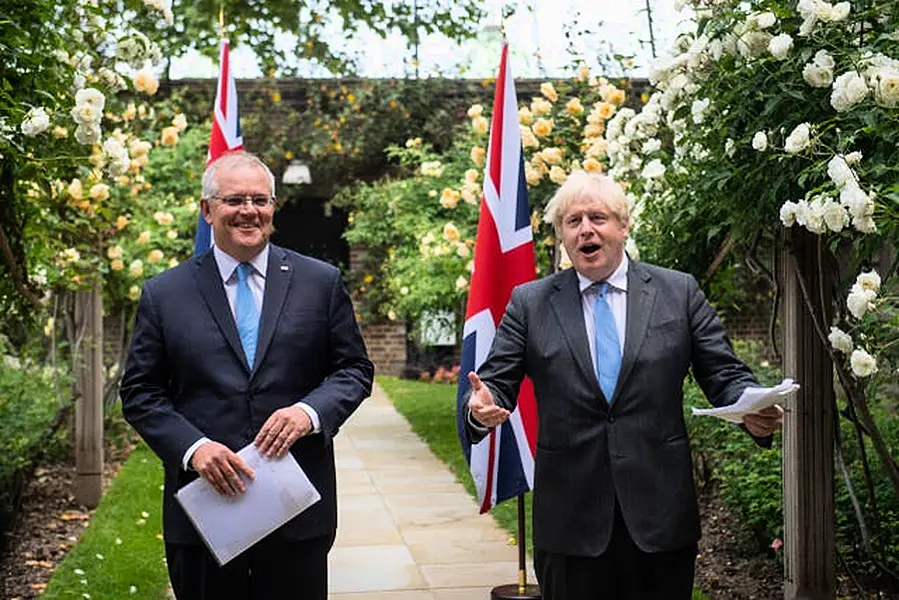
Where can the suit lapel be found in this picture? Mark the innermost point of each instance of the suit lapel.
(213, 292)
(277, 281)
(569, 311)
(640, 298)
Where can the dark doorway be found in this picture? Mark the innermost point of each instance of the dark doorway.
(310, 226)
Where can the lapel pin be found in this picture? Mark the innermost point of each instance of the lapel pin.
(284, 267)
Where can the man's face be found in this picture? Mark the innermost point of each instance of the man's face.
(593, 237)
(241, 231)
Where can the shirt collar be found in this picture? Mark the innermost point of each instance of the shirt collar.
(617, 280)
(227, 263)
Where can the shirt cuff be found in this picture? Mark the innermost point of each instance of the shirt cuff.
(475, 425)
(185, 462)
(313, 416)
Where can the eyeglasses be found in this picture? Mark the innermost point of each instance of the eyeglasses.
(238, 200)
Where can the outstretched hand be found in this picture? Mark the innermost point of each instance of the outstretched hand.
(483, 408)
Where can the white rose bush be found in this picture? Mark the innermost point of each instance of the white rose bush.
(777, 117)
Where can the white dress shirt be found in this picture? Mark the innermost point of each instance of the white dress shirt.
(227, 266)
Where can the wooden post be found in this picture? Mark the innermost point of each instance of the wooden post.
(809, 540)
(89, 392)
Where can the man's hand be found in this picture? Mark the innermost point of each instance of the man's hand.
(765, 422)
(281, 430)
(483, 408)
(221, 467)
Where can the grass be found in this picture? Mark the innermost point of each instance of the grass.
(120, 555)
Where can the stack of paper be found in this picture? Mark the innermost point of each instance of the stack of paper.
(752, 400)
(231, 524)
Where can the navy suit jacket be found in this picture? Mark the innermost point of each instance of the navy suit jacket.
(187, 377)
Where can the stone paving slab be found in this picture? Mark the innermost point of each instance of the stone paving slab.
(407, 530)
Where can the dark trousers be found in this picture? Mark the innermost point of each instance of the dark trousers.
(622, 572)
(270, 570)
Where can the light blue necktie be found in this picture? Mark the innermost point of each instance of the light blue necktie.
(247, 313)
(608, 351)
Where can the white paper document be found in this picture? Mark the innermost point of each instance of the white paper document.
(231, 524)
(752, 400)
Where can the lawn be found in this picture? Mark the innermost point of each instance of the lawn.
(121, 554)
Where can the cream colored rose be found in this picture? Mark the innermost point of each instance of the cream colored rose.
(557, 175)
(540, 107)
(549, 91)
(472, 175)
(134, 292)
(136, 268)
(475, 111)
(121, 222)
(75, 191)
(451, 233)
(528, 139)
(99, 192)
(605, 110)
(144, 81)
(478, 155)
(449, 198)
(480, 125)
(574, 106)
(525, 116)
(179, 122)
(169, 136)
(591, 165)
(154, 256)
(144, 238)
(114, 252)
(552, 156)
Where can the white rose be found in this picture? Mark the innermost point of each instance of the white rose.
(651, 145)
(36, 121)
(91, 96)
(698, 109)
(788, 213)
(864, 224)
(869, 280)
(848, 90)
(835, 216)
(765, 20)
(760, 141)
(860, 301)
(88, 134)
(654, 169)
(780, 46)
(840, 340)
(857, 202)
(886, 87)
(814, 218)
(853, 158)
(862, 363)
(839, 172)
(798, 140)
(729, 147)
(824, 60)
(817, 76)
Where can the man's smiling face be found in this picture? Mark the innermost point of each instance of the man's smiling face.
(240, 231)
(593, 236)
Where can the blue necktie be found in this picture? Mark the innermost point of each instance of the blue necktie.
(608, 351)
(247, 313)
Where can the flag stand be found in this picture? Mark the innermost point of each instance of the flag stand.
(521, 590)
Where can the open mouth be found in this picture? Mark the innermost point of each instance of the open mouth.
(589, 249)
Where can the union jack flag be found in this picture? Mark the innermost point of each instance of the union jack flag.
(225, 135)
(502, 464)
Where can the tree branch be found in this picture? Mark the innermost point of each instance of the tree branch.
(9, 259)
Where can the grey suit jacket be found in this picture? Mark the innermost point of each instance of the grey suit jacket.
(637, 450)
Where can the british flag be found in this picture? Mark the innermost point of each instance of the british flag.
(502, 464)
(225, 135)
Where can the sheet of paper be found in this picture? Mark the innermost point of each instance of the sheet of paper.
(231, 524)
(753, 399)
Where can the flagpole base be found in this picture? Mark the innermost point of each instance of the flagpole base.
(513, 592)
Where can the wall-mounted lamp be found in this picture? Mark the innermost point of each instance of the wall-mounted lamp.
(297, 172)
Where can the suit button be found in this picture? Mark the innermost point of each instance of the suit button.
(611, 419)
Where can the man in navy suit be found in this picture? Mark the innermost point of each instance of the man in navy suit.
(246, 343)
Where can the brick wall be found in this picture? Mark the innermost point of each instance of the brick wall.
(386, 343)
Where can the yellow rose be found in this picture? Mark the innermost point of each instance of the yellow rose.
(171, 234)
(451, 233)
(134, 292)
(532, 175)
(478, 156)
(60, 132)
(540, 107)
(449, 198)
(542, 127)
(144, 81)
(557, 175)
(114, 252)
(461, 283)
(471, 175)
(169, 136)
(136, 268)
(591, 165)
(525, 116)
(116, 264)
(163, 218)
(583, 72)
(552, 156)
(549, 91)
(144, 238)
(173, 262)
(139, 148)
(615, 96)
(179, 122)
(594, 130)
(528, 139)
(574, 106)
(121, 222)
(99, 192)
(605, 110)
(480, 125)
(598, 147)
(154, 256)
(475, 111)
(130, 112)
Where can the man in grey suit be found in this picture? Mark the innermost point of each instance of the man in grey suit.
(246, 343)
(607, 346)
